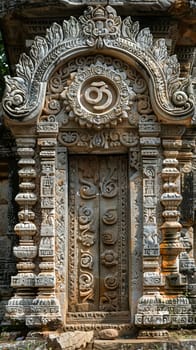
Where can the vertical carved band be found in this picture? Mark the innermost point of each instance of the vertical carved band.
(150, 143)
(171, 245)
(26, 251)
(45, 307)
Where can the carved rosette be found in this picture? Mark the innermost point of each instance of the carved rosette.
(98, 96)
(26, 251)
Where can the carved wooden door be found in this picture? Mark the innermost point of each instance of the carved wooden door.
(98, 233)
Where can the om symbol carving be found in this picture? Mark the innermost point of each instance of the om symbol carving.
(99, 95)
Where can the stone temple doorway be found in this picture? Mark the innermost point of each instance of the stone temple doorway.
(100, 243)
(98, 229)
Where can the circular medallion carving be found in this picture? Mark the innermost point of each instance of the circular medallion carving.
(98, 96)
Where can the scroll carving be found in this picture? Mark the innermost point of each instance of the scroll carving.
(96, 225)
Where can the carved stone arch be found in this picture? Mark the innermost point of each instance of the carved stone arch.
(170, 94)
(44, 136)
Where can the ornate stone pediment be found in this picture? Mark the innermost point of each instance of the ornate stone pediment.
(100, 29)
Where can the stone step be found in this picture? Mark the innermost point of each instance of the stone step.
(143, 344)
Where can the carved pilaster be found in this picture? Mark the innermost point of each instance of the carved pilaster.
(135, 187)
(186, 258)
(62, 238)
(150, 158)
(150, 310)
(171, 245)
(45, 309)
(24, 282)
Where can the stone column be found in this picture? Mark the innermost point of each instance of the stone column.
(171, 245)
(45, 310)
(176, 303)
(186, 259)
(150, 311)
(24, 282)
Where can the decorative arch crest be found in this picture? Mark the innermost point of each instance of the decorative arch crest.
(99, 28)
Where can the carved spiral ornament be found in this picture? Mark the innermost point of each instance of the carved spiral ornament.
(111, 282)
(179, 98)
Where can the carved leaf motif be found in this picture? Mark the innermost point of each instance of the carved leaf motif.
(171, 68)
(71, 28)
(145, 39)
(25, 67)
(39, 49)
(54, 35)
(160, 50)
(130, 29)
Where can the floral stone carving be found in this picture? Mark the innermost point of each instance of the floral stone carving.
(98, 97)
(99, 28)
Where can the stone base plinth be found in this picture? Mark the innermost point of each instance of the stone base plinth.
(151, 344)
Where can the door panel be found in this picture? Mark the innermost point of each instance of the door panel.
(98, 266)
